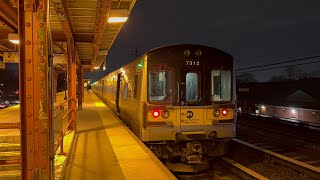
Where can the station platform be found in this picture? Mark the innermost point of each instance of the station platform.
(12, 115)
(10, 143)
(105, 148)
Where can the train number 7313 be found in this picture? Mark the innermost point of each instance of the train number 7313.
(192, 63)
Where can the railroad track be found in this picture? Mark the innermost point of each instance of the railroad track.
(280, 127)
(292, 152)
(237, 171)
(266, 155)
(286, 146)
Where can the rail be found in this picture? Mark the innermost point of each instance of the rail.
(59, 143)
(10, 125)
(57, 110)
(301, 167)
(241, 170)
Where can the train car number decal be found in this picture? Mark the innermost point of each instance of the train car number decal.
(192, 63)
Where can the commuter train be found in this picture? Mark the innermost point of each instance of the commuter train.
(179, 100)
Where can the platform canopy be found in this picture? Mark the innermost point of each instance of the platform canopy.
(92, 24)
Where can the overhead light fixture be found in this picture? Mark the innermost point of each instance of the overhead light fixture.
(14, 38)
(117, 19)
(96, 67)
(118, 15)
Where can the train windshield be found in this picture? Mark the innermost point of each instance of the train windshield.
(220, 85)
(192, 92)
(160, 82)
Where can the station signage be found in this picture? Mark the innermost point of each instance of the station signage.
(10, 57)
(13, 57)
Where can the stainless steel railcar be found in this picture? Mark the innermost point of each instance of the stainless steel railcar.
(180, 100)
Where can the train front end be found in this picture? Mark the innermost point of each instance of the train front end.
(190, 108)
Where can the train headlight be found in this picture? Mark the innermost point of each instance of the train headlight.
(216, 113)
(165, 114)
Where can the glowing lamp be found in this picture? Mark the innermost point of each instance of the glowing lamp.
(14, 38)
(117, 19)
(155, 113)
(224, 112)
(96, 67)
(118, 15)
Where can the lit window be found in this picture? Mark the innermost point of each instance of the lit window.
(192, 87)
(160, 85)
(220, 85)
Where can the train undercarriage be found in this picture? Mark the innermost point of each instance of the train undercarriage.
(189, 158)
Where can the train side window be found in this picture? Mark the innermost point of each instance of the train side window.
(125, 92)
(192, 87)
(220, 85)
(135, 86)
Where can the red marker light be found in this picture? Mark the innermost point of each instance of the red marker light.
(155, 113)
(224, 112)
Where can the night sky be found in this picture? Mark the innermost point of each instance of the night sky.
(254, 32)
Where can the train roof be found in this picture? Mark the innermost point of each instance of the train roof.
(187, 46)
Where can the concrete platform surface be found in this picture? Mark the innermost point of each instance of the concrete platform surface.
(106, 149)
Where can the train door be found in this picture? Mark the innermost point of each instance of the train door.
(191, 100)
(118, 92)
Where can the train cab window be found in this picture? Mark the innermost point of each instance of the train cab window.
(160, 85)
(220, 85)
(192, 93)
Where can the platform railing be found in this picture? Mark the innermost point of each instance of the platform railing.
(9, 126)
(59, 109)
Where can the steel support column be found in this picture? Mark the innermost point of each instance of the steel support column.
(80, 86)
(72, 81)
(55, 81)
(35, 111)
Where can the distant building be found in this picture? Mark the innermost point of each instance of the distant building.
(297, 100)
(299, 93)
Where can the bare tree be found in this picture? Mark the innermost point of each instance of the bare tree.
(277, 78)
(246, 77)
(294, 74)
(290, 72)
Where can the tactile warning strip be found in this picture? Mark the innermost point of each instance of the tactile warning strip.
(135, 159)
